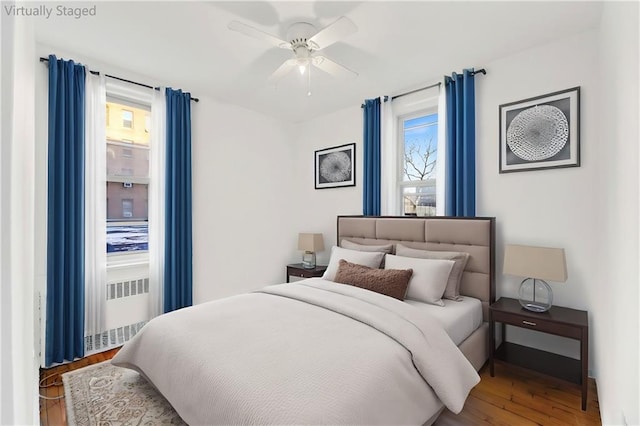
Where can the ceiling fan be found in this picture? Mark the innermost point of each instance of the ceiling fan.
(304, 40)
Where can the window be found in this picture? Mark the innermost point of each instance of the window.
(418, 154)
(127, 119)
(127, 181)
(127, 207)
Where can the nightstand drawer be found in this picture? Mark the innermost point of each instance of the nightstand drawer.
(298, 270)
(303, 274)
(539, 324)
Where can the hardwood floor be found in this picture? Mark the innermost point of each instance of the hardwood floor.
(52, 411)
(516, 396)
(513, 397)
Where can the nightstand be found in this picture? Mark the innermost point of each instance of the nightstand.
(297, 270)
(560, 321)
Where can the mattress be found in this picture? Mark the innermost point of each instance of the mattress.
(303, 353)
(458, 318)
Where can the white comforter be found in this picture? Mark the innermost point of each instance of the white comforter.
(312, 352)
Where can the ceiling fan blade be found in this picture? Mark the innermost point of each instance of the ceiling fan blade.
(333, 68)
(332, 33)
(282, 70)
(256, 33)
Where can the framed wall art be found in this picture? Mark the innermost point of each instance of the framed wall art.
(541, 132)
(335, 167)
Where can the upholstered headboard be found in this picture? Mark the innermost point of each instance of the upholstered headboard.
(475, 236)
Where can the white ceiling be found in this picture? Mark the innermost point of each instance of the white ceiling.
(398, 46)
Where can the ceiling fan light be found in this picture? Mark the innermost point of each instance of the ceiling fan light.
(302, 68)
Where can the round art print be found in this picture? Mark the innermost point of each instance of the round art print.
(336, 167)
(538, 133)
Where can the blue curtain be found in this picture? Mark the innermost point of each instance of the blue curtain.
(371, 179)
(460, 197)
(65, 216)
(178, 291)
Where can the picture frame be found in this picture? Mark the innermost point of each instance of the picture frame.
(541, 132)
(335, 167)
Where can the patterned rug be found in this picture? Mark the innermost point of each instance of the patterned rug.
(106, 395)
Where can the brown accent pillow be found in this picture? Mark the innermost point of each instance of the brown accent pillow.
(452, 291)
(390, 282)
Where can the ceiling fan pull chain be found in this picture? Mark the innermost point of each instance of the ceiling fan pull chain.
(309, 79)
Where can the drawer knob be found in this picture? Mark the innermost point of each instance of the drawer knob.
(529, 323)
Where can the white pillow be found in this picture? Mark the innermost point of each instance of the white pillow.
(386, 248)
(366, 258)
(429, 277)
(452, 290)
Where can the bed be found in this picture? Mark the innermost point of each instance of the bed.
(319, 352)
(475, 236)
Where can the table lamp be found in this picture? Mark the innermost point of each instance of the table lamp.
(310, 244)
(535, 264)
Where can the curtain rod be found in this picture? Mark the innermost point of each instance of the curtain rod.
(122, 79)
(386, 98)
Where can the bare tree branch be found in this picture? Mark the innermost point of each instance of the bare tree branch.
(419, 165)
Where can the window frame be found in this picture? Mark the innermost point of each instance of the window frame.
(124, 259)
(414, 104)
(401, 183)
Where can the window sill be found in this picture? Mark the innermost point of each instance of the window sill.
(127, 260)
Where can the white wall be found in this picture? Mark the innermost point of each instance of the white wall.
(559, 207)
(615, 308)
(316, 209)
(553, 208)
(18, 361)
(244, 194)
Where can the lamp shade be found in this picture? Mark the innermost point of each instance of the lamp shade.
(542, 263)
(310, 242)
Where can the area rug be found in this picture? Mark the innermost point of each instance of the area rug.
(105, 395)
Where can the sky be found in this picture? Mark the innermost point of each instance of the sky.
(420, 132)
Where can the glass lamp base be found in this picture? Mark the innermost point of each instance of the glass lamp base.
(535, 295)
(309, 260)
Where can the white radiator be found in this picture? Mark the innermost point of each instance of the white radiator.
(127, 288)
(126, 312)
(110, 338)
